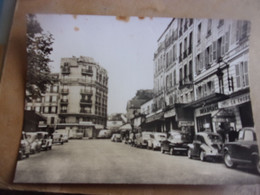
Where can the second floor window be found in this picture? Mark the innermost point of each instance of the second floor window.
(242, 75)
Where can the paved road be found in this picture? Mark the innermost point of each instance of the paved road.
(102, 161)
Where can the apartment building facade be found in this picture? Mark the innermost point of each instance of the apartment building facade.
(201, 76)
(83, 96)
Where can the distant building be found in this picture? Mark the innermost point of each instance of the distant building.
(134, 105)
(115, 121)
(83, 96)
(46, 105)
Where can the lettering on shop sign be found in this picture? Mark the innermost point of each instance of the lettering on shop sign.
(235, 101)
(209, 108)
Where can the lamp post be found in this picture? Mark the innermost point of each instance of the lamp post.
(220, 76)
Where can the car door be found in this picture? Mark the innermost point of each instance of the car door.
(196, 144)
(247, 145)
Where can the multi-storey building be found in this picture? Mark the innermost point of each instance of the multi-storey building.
(221, 74)
(47, 105)
(83, 96)
(201, 76)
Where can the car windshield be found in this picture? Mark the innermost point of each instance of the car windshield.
(214, 138)
(160, 137)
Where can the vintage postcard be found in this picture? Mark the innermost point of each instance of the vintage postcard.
(136, 100)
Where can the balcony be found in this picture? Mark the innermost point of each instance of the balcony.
(65, 70)
(64, 102)
(86, 92)
(64, 91)
(85, 102)
(85, 111)
(87, 72)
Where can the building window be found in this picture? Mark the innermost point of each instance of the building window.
(174, 77)
(54, 88)
(242, 75)
(243, 28)
(190, 43)
(53, 109)
(220, 23)
(46, 109)
(54, 98)
(38, 109)
(52, 120)
(47, 98)
(199, 33)
(209, 27)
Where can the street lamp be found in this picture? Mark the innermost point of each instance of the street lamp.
(220, 75)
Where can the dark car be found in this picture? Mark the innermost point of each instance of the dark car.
(243, 151)
(175, 143)
(206, 145)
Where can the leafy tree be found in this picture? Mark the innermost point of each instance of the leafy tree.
(39, 48)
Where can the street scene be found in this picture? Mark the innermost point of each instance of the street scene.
(161, 101)
(102, 159)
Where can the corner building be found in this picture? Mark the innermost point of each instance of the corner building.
(201, 76)
(83, 96)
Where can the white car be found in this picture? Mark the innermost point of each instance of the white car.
(46, 140)
(65, 134)
(155, 140)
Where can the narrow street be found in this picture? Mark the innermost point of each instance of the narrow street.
(103, 161)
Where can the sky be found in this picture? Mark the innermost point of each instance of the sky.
(124, 49)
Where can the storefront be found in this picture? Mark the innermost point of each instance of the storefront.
(237, 111)
(154, 123)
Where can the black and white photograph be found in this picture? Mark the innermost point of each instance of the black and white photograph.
(137, 100)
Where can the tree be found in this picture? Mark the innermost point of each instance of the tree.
(39, 48)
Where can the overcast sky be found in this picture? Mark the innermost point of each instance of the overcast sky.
(124, 49)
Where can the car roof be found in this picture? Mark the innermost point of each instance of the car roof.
(207, 133)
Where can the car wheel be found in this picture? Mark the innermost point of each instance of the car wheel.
(153, 147)
(171, 151)
(162, 150)
(27, 155)
(61, 143)
(257, 166)
(202, 155)
(228, 161)
(189, 154)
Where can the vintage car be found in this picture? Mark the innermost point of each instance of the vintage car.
(142, 139)
(206, 145)
(105, 134)
(242, 151)
(116, 137)
(65, 134)
(175, 143)
(34, 141)
(155, 140)
(131, 139)
(46, 140)
(57, 138)
(25, 148)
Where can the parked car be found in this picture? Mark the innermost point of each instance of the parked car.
(206, 145)
(104, 133)
(57, 138)
(116, 137)
(131, 139)
(175, 143)
(34, 141)
(65, 134)
(155, 140)
(142, 139)
(46, 140)
(25, 148)
(243, 151)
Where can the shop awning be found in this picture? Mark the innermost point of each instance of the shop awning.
(215, 97)
(155, 117)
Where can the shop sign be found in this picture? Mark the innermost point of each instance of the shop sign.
(209, 108)
(170, 113)
(85, 123)
(186, 123)
(235, 101)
